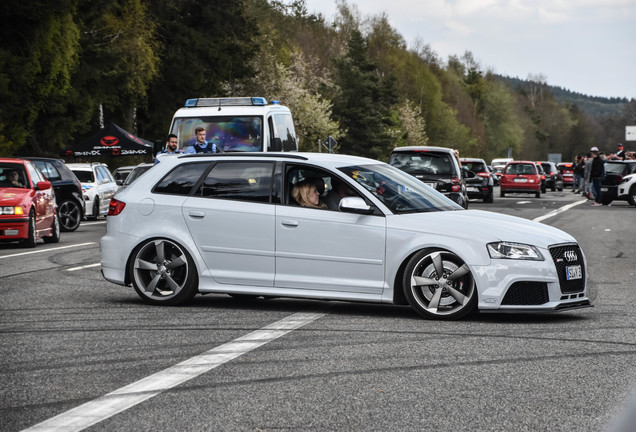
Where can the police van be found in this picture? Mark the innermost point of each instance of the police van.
(241, 124)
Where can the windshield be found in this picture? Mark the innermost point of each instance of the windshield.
(230, 133)
(399, 191)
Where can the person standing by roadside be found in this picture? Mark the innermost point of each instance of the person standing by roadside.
(171, 147)
(597, 173)
(620, 152)
(579, 168)
(587, 168)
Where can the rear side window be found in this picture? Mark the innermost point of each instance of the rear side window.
(49, 171)
(182, 179)
(245, 181)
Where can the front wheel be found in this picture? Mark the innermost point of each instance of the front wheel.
(439, 285)
(31, 239)
(162, 272)
(631, 198)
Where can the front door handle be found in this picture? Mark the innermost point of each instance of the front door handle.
(289, 223)
(196, 214)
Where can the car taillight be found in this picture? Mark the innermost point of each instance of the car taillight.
(456, 184)
(115, 207)
(483, 174)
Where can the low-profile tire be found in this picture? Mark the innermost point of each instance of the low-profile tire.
(95, 209)
(54, 237)
(631, 198)
(439, 285)
(163, 273)
(537, 194)
(70, 215)
(31, 239)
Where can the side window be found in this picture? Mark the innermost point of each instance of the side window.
(49, 171)
(182, 179)
(331, 188)
(99, 173)
(245, 181)
(35, 174)
(284, 126)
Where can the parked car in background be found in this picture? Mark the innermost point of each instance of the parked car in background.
(28, 211)
(228, 224)
(437, 167)
(627, 189)
(121, 173)
(98, 186)
(500, 163)
(554, 179)
(481, 185)
(521, 176)
(567, 172)
(136, 173)
(68, 191)
(615, 171)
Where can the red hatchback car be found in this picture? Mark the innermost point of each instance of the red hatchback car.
(28, 211)
(520, 176)
(567, 171)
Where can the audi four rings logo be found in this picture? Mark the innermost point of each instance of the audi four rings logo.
(570, 256)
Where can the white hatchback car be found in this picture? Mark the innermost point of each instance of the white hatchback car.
(627, 189)
(98, 186)
(229, 223)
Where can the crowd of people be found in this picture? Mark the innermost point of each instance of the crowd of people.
(589, 172)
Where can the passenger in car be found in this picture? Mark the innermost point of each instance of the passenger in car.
(306, 194)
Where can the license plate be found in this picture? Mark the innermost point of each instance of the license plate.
(604, 189)
(573, 272)
(474, 189)
(520, 180)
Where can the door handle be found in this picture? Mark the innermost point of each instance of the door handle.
(289, 223)
(196, 214)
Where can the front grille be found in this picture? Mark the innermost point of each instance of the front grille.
(526, 293)
(560, 256)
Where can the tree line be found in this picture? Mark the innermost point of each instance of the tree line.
(68, 64)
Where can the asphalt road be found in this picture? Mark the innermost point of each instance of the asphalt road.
(69, 337)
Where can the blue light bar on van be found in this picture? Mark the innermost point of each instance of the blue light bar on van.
(219, 102)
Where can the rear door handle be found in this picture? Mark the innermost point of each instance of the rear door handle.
(196, 214)
(289, 223)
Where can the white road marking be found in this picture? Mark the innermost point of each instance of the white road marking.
(119, 400)
(83, 267)
(558, 211)
(47, 250)
(93, 223)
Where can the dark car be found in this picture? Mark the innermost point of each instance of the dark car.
(553, 177)
(68, 191)
(480, 186)
(614, 173)
(544, 184)
(437, 167)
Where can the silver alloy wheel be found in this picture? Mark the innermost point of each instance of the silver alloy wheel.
(161, 271)
(70, 215)
(440, 285)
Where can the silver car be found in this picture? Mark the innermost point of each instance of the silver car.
(229, 223)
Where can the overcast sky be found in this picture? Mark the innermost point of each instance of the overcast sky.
(586, 46)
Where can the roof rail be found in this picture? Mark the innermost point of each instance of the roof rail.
(219, 102)
(245, 154)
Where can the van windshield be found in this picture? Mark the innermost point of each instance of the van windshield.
(230, 133)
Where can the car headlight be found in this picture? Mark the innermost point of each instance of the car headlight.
(508, 250)
(16, 210)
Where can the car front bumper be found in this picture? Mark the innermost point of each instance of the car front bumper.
(14, 229)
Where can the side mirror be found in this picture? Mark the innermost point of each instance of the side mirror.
(119, 182)
(277, 145)
(43, 185)
(355, 205)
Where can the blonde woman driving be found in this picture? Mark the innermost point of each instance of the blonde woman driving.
(306, 194)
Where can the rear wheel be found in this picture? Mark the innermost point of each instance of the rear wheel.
(70, 215)
(55, 231)
(439, 285)
(502, 194)
(95, 209)
(537, 194)
(488, 198)
(163, 273)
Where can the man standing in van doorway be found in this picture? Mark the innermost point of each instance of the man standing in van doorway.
(201, 145)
